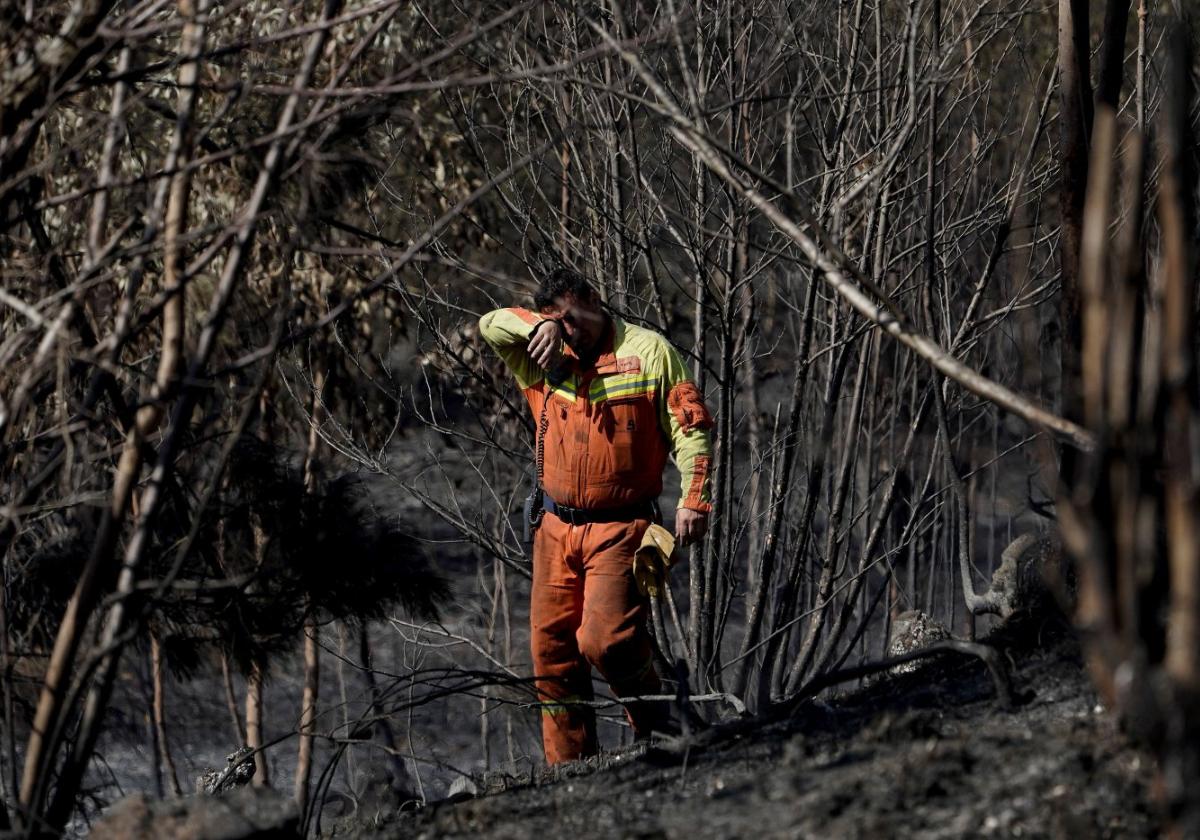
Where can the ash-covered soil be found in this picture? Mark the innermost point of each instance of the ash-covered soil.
(927, 754)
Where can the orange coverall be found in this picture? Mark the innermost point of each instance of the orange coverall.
(608, 430)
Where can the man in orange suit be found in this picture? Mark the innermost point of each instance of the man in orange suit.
(611, 401)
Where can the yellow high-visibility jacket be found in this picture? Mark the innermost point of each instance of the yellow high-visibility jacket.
(610, 426)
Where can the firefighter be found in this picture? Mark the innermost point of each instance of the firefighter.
(610, 400)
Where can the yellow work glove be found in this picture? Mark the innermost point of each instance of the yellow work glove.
(652, 560)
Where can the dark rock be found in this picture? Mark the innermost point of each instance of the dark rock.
(462, 788)
(238, 771)
(912, 631)
(1034, 577)
(243, 814)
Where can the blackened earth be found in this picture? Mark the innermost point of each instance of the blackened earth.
(928, 754)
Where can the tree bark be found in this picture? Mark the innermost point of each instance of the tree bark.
(308, 713)
(254, 724)
(1074, 125)
(235, 718)
(1112, 54)
(1179, 379)
(160, 714)
(312, 655)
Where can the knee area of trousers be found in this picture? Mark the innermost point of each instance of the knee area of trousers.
(603, 647)
(554, 648)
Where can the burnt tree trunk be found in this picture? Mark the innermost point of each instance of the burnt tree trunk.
(160, 714)
(254, 712)
(1075, 121)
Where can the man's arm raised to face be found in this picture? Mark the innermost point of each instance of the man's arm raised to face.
(546, 343)
(509, 333)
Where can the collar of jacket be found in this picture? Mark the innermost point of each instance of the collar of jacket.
(607, 361)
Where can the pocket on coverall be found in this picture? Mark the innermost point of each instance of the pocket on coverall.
(631, 420)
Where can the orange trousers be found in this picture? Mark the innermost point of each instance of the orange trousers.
(585, 611)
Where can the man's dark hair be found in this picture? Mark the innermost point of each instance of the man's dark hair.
(559, 282)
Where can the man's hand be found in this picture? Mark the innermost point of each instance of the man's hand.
(545, 347)
(690, 526)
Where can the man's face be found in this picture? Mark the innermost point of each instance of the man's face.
(583, 321)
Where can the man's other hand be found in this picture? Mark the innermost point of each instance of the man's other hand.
(690, 526)
(545, 346)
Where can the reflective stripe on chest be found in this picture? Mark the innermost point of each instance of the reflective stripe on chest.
(613, 379)
(613, 387)
(619, 376)
(565, 389)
